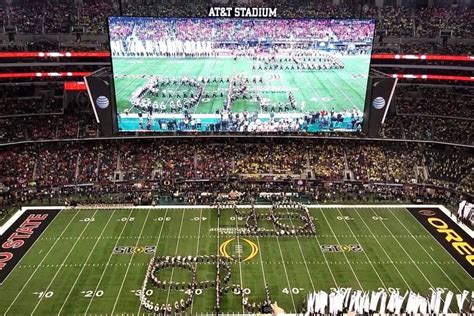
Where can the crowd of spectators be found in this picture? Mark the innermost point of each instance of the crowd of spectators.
(417, 127)
(47, 126)
(30, 105)
(111, 169)
(384, 164)
(405, 23)
(449, 100)
(430, 21)
(450, 165)
(228, 30)
(61, 163)
(411, 123)
(30, 99)
(193, 171)
(91, 16)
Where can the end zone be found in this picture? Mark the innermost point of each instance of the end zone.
(20, 233)
(451, 236)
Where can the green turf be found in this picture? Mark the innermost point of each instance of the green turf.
(321, 90)
(70, 259)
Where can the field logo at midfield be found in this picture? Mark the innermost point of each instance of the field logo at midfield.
(455, 240)
(17, 239)
(224, 253)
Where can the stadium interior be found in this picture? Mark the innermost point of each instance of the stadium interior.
(242, 185)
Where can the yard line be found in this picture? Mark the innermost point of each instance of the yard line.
(325, 260)
(85, 263)
(337, 240)
(284, 268)
(156, 247)
(44, 258)
(130, 261)
(261, 261)
(175, 253)
(383, 249)
(67, 256)
(197, 247)
(199, 232)
(218, 235)
(365, 253)
(404, 250)
(108, 262)
(424, 249)
(240, 263)
(342, 91)
(302, 254)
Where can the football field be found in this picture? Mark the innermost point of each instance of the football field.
(93, 261)
(313, 90)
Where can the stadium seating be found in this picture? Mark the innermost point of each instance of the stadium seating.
(428, 112)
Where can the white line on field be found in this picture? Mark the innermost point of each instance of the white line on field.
(108, 262)
(404, 250)
(302, 254)
(44, 258)
(175, 253)
(240, 263)
(197, 247)
(424, 249)
(64, 261)
(365, 253)
(129, 263)
(246, 263)
(85, 262)
(337, 240)
(261, 261)
(232, 233)
(284, 268)
(326, 260)
(156, 248)
(383, 249)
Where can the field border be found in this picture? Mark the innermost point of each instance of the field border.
(18, 213)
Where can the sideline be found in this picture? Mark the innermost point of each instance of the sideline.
(461, 225)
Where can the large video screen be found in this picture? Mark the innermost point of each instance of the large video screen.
(240, 75)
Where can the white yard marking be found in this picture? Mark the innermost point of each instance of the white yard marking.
(383, 249)
(302, 255)
(261, 261)
(175, 253)
(108, 262)
(365, 253)
(129, 263)
(85, 263)
(326, 261)
(64, 261)
(337, 240)
(404, 250)
(44, 258)
(424, 249)
(156, 247)
(284, 268)
(197, 248)
(240, 263)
